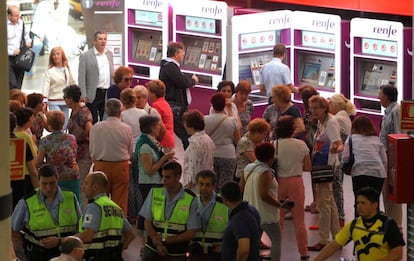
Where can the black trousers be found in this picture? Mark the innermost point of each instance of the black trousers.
(97, 107)
(179, 130)
(15, 74)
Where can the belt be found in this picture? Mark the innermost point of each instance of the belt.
(101, 90)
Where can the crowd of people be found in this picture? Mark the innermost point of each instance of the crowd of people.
(122, 152)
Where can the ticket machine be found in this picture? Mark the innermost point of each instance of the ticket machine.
(202, 27)
(253, 39)
(147, 33)
(380, 54)
(320, 56)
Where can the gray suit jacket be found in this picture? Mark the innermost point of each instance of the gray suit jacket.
(88, 74)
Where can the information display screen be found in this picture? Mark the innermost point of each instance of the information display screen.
(143, 17)
(200, 24)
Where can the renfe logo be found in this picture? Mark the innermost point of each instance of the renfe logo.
(385, 31)
(280, 20)
(154, 3)
(327, 24)
(211, 10)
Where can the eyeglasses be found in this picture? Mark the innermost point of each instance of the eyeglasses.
(127, 79)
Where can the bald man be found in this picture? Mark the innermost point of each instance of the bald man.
(71, 250)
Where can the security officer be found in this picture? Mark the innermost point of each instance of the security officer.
(171, 218)
(105, 231)
(214, 218)
(45, 216)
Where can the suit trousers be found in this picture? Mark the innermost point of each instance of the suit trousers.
(118, 179)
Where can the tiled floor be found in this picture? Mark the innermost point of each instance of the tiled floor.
(289, 249)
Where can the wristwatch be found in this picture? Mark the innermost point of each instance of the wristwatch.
(163, 240)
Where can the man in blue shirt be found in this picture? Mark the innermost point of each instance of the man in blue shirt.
(276, 72)
(214, 219)
(241, 240)
(45, 216)
(171, 218)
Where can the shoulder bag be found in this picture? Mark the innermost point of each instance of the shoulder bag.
(26, 56)
(347, 166)
(217, 126)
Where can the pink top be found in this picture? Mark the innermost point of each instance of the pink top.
(167, 118)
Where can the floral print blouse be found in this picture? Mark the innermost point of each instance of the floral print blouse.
(76, 126)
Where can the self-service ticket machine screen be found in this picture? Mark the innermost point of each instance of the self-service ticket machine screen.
(317, 70)
(148, 46)
(250, 65)
(373, 74)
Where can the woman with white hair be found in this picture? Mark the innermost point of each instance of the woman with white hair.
(341, 108)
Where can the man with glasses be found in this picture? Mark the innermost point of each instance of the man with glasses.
(95, 75)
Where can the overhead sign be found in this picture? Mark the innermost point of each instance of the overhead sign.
(17, 151)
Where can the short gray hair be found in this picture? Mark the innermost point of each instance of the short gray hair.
(113, 107)
(141, 89)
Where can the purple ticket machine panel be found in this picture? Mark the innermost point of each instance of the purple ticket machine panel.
(147, 29)
(320, 57)
(252, 44)
(380, 54)
(201, 27)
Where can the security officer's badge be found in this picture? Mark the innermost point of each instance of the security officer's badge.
(184, 208)
(219, 218)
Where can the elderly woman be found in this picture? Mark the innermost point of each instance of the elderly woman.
(79, 125)
(156, 90)
(227, 88)
(225, 133)
(243, 103)
(131, 115)
(199, 154)
(59, 149)
(256, 134)
(342, 109)
(57, 77)
(369, 168)
(35, 101)
(293, 158)
(18, 95)
(328, 144)
(141, 93)
(123, 79)
(149, 157)
(281, 98)
(261, 191)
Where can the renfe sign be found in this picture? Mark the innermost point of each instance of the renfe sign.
(400, 7)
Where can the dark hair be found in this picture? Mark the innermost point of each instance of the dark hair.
(209, 174)
(363, 125)
(120, 72)
(173, 48)
(73, 91)
(12, 122)
(390, 91)
(95, 34)
(147, 122)
(279, 50)
(307, 91)
(285, 126)
(47, 170)
(194, 119)
(157, 87)
(69, 244)
(231, 192)
(369, 193)
(174, 166)
(218, 101)
(34, 99)
(222, 84)
(264, 151)
(23, 115)
(244, 87)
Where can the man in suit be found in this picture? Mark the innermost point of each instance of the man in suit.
(15, 32)
(96, 69)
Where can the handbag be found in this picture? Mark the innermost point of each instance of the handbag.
(347, 166)
(25, 59)
(275, 160)
(322, 174)
(26, 56)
